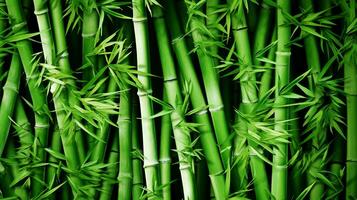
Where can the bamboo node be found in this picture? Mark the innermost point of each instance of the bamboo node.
(150, 163)
(216, 108)
(283, 53)
(64, 54)
(124, 175)
(173, 78)
(41, 12)
(184, 166)
(144, 93)
(216, 174)
(240, 28)
(88, 35)
(11, 86)
(280, 166)
(38, 125)
(139, 19)
(165, 160)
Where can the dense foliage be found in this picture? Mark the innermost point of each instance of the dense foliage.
(188, 99)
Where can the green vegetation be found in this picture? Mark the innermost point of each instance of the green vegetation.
(188, 99)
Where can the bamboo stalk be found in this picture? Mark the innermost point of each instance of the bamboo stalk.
(211, 84)
(89, 30)
(37, 93)
(249, 97)
(350, 75)
(125, 176)
(198, 102)
(8, 100)
(182, 137)
(112, 172)
(313, 61)
(165, 158)
(136, 157)
(64, 65)
(280, 154)
(146, 106)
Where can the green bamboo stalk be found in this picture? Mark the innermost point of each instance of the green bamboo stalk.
(280, 154)
(182, 137)
(136, 157)
(267, 77)
(125, 176)
(24, 131)
(165, 158)
(313, 61)
(146, 106)
(262, 32)
(52, 171)
(211, 84)
(100, 147)
(19, 191)
(112, 172)
(3, 26)
(43, 21)
(89, 30)
(8, 100)
(211, 153)
(350, 75)
(211, 21)
(64, 65)
(249, 97)
(37, 93)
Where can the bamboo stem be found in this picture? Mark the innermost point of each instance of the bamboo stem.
(8, 100)
(249, 97)
(136, 157)
(182, 137)
(165, 158)
(211, 153)
(280, 154)
(350, 75)
(146, 106)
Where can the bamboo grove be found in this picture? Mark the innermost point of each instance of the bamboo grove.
(185, 99)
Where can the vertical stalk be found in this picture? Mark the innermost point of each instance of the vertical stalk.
(37, 91)
(146, 106)
(8, 100)
(211, 84)
(165, 158)
(313, 61)
(249, 96)
(43, 21)
(211, 153)
(282, 73)
(125, 177)
(350, 71)
(182, 136)
(112, 171)
(89, 30)
(136, 157)
(73, 148)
